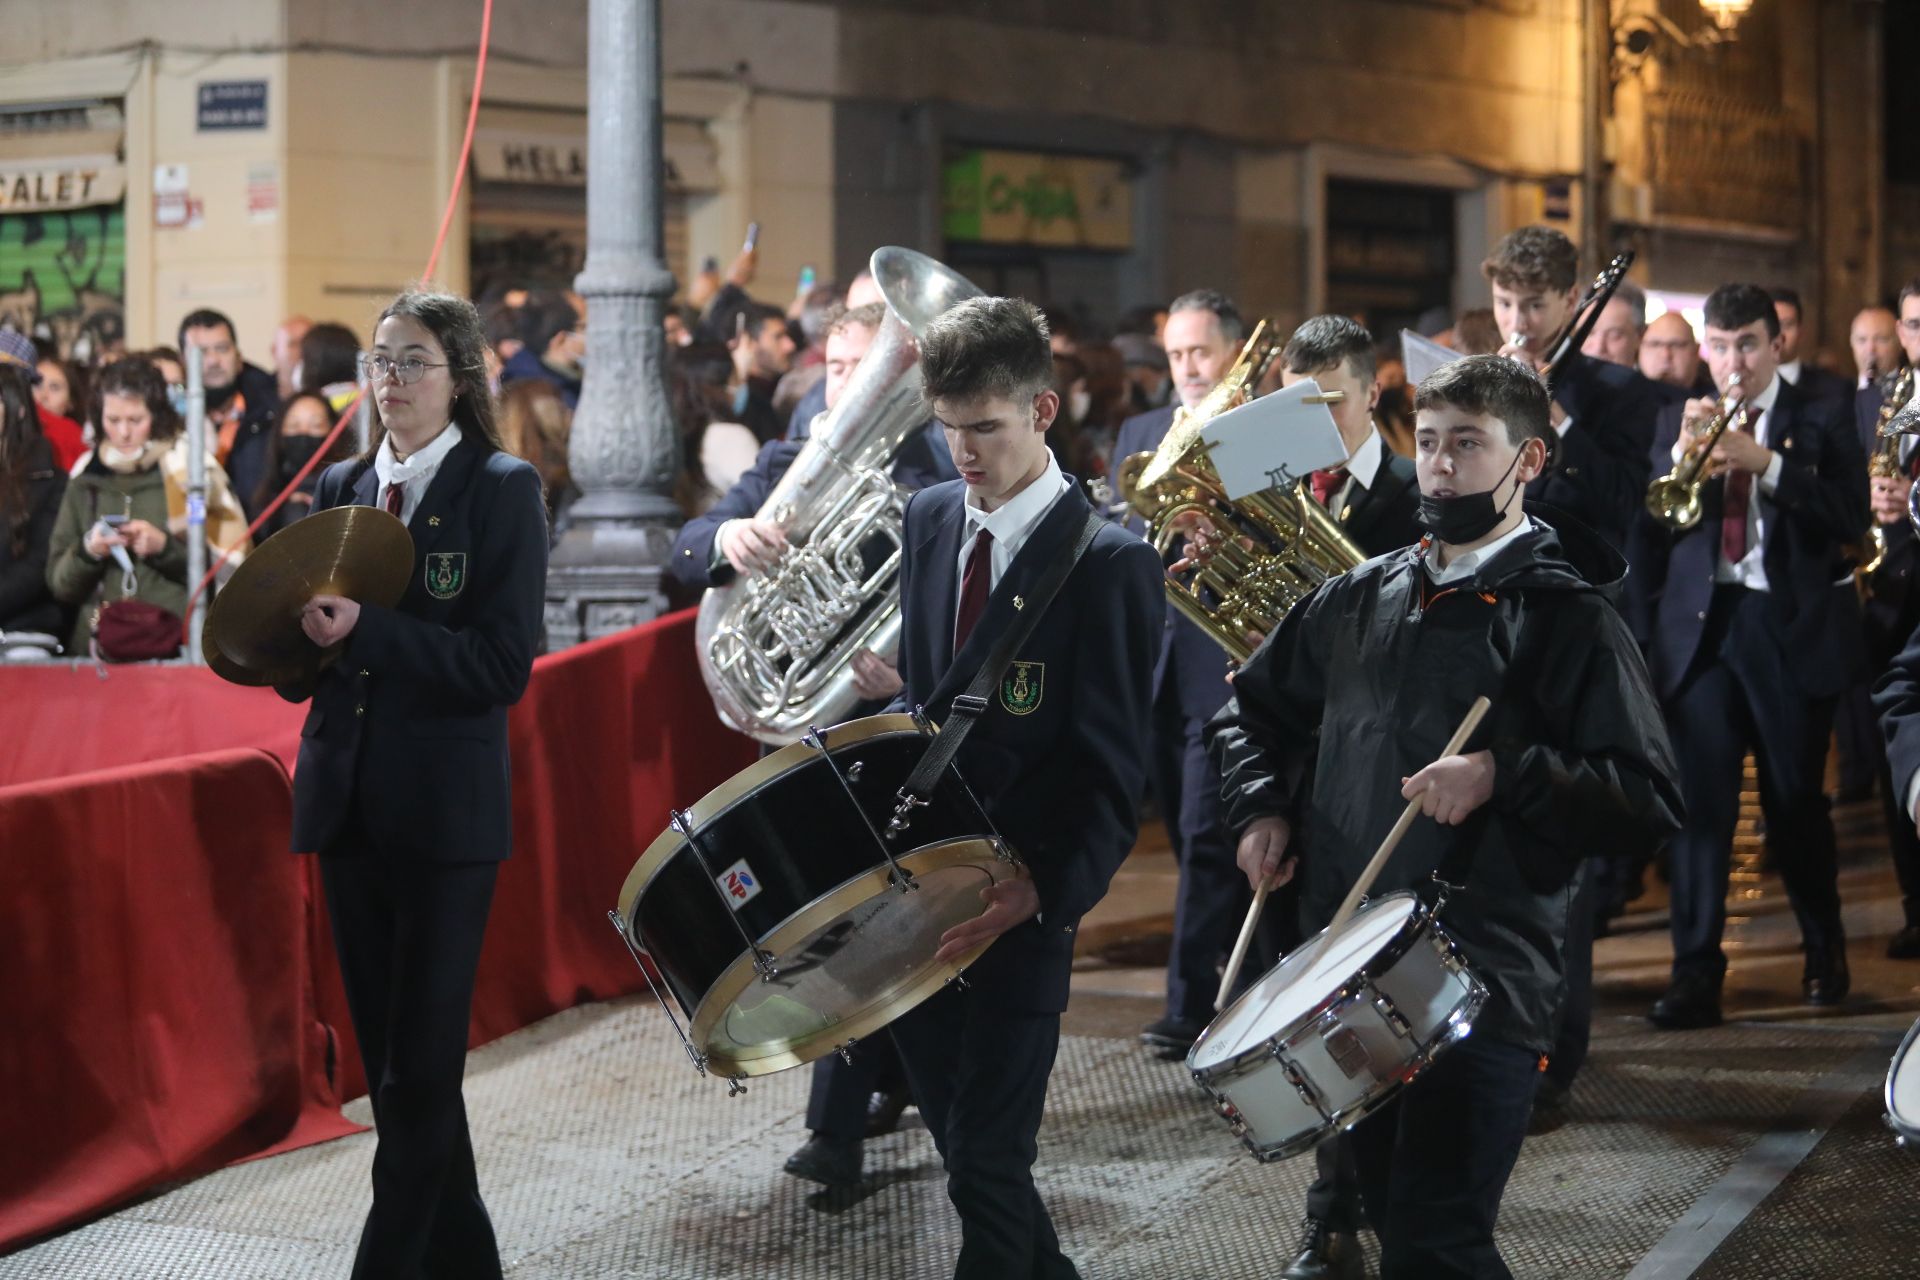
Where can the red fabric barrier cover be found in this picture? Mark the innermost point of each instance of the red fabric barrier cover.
(56, 721)
(155, 984)
(167, 980)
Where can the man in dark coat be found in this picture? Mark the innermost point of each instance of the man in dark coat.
(1361, 686)
(1057, 756)
(1752, 631)
(243, 402)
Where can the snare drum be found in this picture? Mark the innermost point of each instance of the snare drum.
(1903, 1090)
(1337, 1027)
(784, 918)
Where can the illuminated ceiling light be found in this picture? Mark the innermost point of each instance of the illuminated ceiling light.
(1726, 14)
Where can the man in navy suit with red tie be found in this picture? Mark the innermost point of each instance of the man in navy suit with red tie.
(1752, 627)
(1057, 757)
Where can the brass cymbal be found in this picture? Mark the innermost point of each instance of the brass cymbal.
(253, 633)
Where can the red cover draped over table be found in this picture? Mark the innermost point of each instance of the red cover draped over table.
(167, 979)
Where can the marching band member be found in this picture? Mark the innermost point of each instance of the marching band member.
(1056, 756)
(1750, 642)
(1602, 413)
(403, 779)
(1361, 684)
(1203, 335)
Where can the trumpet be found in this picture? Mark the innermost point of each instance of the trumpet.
(1674, 499)
(1895, 390)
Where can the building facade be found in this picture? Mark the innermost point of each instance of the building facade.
(270, 157)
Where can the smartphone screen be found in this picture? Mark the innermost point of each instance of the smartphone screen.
(806, 278)
(753, 236)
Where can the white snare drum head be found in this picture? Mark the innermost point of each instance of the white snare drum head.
(1302, 980)
(1903, 1086)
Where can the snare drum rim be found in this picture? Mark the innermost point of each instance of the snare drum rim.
(966, 851)
(1389, 954)
(741, 785)
(1909, 1128)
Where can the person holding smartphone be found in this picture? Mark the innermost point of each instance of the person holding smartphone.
(110, 539)
(404, 782)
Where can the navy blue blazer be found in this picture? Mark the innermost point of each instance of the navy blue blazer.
(1189, 656)
(1822, 384)
(923, 460)
(1059, 758)
(408, 728)
(1896, 697)
(1819, 509)
(1600, 469)
(1384, 516)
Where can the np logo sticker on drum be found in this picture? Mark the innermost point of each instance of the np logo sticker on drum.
(739, 884)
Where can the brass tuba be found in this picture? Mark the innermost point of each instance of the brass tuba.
(1274, 547)
(776, 650)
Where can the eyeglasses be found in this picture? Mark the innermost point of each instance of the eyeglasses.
(1911, 324)
(409, 371)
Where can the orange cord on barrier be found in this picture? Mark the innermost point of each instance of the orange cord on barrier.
(353, 405)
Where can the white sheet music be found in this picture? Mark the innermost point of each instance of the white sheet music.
(1275, 440)
(1423, 355)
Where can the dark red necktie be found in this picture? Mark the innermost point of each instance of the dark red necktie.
(396, 499)
(1733, 509)
(1325, 485)
(975, 585)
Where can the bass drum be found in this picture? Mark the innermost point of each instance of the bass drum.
(1903, 1091)
(772, 911)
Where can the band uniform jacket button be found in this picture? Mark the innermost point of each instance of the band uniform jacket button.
(1702, 615)
(1572, 471)
(362, 708)
(364, 673)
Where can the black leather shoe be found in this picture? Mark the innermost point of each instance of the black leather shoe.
(1326, 1254)
(827, 1162)
(1825, 982)
(1173, 1033)
(883, 1111)
(1905, 945)
(1690, 1003)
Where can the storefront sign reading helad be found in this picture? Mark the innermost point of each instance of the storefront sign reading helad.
(1028, 197)
(44, 186)
(232, 104)
(739, 884)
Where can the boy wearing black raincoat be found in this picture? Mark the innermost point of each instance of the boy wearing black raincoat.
(1361, 686)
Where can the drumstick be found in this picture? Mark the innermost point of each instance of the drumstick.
(1240, 945)
(1387, 846)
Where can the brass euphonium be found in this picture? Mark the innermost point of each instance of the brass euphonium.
(1674, 499)
(1267, 550)
(1896, 389)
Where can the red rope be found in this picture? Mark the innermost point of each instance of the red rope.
(353, 405)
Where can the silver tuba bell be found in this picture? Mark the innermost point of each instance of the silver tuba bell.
(776, 650)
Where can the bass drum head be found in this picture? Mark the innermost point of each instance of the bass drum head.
(1301, 982)
(1903, 1089)
(848, 963)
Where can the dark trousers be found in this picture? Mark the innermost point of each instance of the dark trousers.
(1856, 736)
(1434, 1162)
(837, 1101)
(408, 933)
(1576, 1013)
(1742, 692)
(1212, 895)
(979, 1073)
(1901, 839)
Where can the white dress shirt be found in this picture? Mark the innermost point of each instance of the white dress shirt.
(1011, 523)
(1790, 370)
(1362, 468)
(1751, 571)
(416, 473)
(1465, 563)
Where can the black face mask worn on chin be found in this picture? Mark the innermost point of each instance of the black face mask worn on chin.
(1466, 517)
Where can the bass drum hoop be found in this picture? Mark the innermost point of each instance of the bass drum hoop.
(1906, 1129)
(742, 786)
(986, 853)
